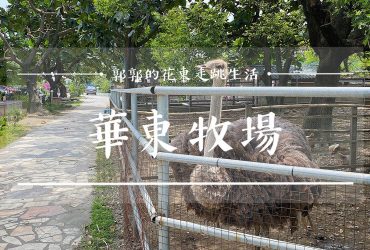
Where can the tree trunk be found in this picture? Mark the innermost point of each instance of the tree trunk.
(55, 81)
(321, 117)
(130, 63)
(3, 73)
(56, 85)
(63, 90)
(31, 84)
(266, 78)
(283, 68)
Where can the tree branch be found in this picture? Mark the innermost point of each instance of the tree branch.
(64, 32)
(312, 26)
(331, 36)
(41, 12)
(73, 63)
(39, 40)
(5, 59)
(9, 48)
(43, 57)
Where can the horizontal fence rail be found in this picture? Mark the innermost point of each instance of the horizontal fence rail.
(296, 171)
(348, 92)
(162, 219)
(230, 235)
(193, 227)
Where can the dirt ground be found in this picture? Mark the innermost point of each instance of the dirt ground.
(342, 219)
(37, 119)
(40, 118)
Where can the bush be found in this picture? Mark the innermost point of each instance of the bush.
(10, 133)
(15, 115)
(76, 89)
(23, 98)
(55, 108)
(102, 83)
(3, 122)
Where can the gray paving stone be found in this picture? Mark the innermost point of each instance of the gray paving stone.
(27, 238)
(10, 206)
(31, 246)
(36, 204)
(8, 220)
(41, 217)
(54, 247)
(76, 241)
(22, 230)
(11, 225)
(67, 240)
(11, 240)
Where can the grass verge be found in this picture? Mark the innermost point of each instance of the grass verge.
(101, 233)
(10, 133)
(101, 230)
(56, 108)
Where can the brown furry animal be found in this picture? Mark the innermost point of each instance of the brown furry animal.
(257, 206)
(261, 207)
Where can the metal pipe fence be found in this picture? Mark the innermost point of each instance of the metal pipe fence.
(162, 217)
(331, 175)
(348, 92)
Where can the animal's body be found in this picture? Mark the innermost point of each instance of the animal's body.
(258, 206)
(261, 207)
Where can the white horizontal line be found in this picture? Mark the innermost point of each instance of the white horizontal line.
(310, 73)
(61, 74)
(182, 183)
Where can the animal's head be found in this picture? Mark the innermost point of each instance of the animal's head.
(214, 65)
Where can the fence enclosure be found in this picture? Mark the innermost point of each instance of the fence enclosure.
(160, 217)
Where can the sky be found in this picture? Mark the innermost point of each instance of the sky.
(3, 3)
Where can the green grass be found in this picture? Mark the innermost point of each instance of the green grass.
(101, 232)
(10, 133)
(76, 103)
(56, 108)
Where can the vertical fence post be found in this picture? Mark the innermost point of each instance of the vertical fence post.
(163, 176)
(119, 101)
(353, 139)
(115, 98)
(111, 95)
(134, 121)
(248, 110)
(123, 101)
(134, 154)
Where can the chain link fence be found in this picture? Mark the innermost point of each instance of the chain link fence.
(340, 220)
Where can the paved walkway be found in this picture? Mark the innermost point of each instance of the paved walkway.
(31, 217)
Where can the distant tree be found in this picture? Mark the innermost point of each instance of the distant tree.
(34, 28)
(266, 30)
(188, 37)
(336, 29)
(277, 27)
(3, 74)
(59, 61)
(125, 24)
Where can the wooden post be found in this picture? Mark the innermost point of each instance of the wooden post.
(190, 102)
(353, 139)
(248, 110)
